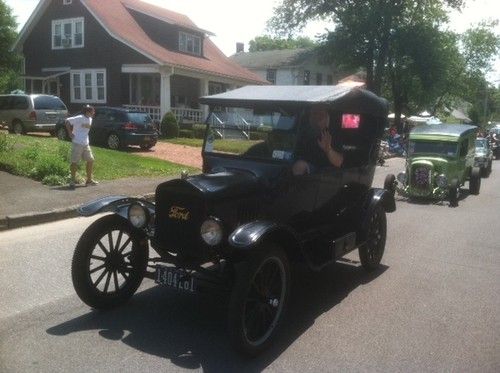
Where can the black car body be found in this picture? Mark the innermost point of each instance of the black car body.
(238, 226)
(117, 128)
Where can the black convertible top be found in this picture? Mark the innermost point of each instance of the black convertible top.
(342, 97)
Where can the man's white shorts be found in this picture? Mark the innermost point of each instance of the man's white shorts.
(79, 152)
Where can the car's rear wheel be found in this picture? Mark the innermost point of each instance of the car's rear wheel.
(18, 128)
(258, 299)
(454, 193)
(146, 146)
(109, 263)
(62, 134)
(475, 180)
(113, 141)
(374, 233)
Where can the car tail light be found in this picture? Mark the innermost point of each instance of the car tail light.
(129, 126)
(32, 116)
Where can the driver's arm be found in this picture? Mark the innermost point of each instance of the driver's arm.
(325, 143)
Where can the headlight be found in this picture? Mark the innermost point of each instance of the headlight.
(402, 177)
(138, 215)
(441, 181)
(211, 231)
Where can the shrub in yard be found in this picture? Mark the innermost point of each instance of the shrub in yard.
(49, 165)
(5, 143)
(169, 126)
(199, 131)
(186, 134)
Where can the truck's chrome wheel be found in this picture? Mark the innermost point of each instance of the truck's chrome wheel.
(371, 252)
(109, 263)
(258, 301)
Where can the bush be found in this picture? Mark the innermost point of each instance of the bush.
(169, 126)
(258, 135)
(48, 165)
(186, 134)
(5, 144)
(199, 131)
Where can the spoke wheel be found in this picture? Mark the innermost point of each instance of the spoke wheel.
(108, 263)
(114, 141)
(258, 300)
(371, 252)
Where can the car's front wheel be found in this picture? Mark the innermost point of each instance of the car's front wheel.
(454, 193)
(475, 180)
(258, 299)
(113, 141)
(374, 233)
(109, 263)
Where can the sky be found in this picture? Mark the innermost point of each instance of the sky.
(235, 21)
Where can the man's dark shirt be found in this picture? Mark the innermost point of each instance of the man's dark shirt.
(308, 148)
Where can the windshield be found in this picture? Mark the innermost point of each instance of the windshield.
(433, 147)
(249, 133)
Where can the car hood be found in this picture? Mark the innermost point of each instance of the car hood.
(226, 184)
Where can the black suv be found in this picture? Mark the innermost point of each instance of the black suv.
(239, 226)
(117, 127)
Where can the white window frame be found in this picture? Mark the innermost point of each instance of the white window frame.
(189, 38)
(67, 2)
(93, 86)
(72, 22)
(271, 75)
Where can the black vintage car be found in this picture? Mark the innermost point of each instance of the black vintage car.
(240, 225)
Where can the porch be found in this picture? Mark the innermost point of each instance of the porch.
(153, 90)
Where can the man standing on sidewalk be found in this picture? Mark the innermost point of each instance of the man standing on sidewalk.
(78, 128)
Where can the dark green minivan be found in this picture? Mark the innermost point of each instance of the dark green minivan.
(440, 160)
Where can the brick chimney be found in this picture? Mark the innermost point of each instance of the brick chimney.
(240, 47)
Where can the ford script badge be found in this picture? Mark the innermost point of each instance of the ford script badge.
(179, 213)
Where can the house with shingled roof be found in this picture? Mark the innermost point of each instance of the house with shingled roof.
(124, 53)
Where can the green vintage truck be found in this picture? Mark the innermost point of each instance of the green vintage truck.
(440, 160)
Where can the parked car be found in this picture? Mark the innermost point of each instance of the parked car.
(440, 160)
(117, 128)
(31, 113)
(484, 156)
(239, 226)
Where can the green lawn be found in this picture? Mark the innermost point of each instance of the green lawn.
(47, 159)
(225, 146)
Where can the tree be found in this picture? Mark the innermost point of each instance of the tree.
(364, 29)
(9, 61)
(266, 43)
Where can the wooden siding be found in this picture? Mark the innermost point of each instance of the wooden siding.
(100, 51)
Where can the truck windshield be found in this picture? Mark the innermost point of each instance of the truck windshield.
(248, 133)
(443, 148)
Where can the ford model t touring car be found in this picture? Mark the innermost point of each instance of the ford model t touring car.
(241, 225)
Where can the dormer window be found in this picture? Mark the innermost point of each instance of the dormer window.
(189, 43)
(67, 33)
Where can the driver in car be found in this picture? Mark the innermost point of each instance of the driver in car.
(316, 147)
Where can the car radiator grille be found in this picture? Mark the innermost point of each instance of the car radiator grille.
(421, 177)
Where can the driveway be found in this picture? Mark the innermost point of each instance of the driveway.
(182, 154)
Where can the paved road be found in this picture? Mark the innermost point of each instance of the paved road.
(434, 306)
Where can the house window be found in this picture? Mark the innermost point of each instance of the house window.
(307, 77)
(67, 33)
(189, 43)
(319, 79)
(67, 2)
(271, 76)
(88, 86)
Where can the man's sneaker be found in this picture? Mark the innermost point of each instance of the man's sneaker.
(91, 182)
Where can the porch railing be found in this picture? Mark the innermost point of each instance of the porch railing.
(182, 114)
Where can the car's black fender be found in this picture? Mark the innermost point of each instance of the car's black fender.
(380, 195)
(117, 204)
(250, 235)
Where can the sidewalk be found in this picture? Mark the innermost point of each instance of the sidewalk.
(26, 202)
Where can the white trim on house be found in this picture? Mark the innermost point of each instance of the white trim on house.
(67, 40)
(50, 69)
(67, 2)
(140, 68)
(88, 86)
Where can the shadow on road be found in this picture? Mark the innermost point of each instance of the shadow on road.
(464, 193)
(190, 331)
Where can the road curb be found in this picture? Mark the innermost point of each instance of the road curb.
(35, 218)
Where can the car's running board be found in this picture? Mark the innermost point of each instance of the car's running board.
(328, 252)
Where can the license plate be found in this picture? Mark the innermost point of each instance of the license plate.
(175, 278)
